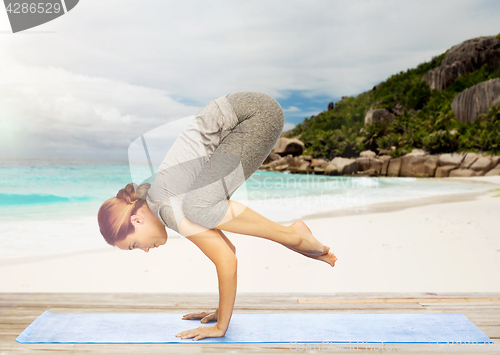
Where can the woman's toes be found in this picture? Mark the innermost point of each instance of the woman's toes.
(334, 259)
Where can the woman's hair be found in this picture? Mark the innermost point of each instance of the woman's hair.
(114, 214)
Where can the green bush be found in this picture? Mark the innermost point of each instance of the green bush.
(384, 143)
(440, 142)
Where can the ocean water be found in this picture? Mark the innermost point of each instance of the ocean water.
(49, 205)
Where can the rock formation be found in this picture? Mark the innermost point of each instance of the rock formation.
(464, 58)
(368, 154)
(418, 163)
(378, 115)
(285, 146)
(471, 102)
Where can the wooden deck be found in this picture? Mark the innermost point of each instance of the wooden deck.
(18, 311)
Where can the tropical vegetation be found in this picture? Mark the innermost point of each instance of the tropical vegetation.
(427, 122)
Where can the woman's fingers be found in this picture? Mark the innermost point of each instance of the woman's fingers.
(195, 315)
(209, 318)
(201, 333)
(204, 316)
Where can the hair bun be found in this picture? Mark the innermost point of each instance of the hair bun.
(131, 193)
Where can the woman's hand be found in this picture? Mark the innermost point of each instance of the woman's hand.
(202, 332)
(204, 316)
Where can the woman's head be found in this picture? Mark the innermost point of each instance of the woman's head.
(127, 222)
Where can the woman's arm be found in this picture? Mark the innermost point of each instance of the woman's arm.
(227, 292)
(213, 245)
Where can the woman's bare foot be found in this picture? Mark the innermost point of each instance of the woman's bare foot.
(308, 244)
(328, 257)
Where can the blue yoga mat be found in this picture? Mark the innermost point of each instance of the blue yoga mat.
(118, 328)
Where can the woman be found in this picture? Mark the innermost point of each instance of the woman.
(223, 146)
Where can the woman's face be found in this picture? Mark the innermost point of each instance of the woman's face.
(149, 232)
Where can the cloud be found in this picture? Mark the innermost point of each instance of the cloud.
(199, 51)
(48, 109)
(292, 109)
(92, 80)
(288, 126)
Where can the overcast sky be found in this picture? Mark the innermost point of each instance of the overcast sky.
(92, 81)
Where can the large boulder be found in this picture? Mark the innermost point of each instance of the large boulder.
(472, 102)
(280, 161)
(376, 165)
(378, 115)
(318, 171)
(394, 167)
(444, 171)
(368, 154)
(369, 172)
(366, 164)
(453, 159)
(293, 162)
(482, 164)
(304, 168)
(413, 165)
(363, 164)
(285, 146)
(464, 58)
(469, 159)
(271, 157)
(462, 173)
(493, 172)
(345, 166)
(319, 163)
(350, 167)
(495, 159)
(385, 164)
(280, 167)
(430, 165)
(332, 169)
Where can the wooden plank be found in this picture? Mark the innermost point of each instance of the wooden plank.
(420, 349)
(460, 308)
(400, 300)
(19, 310)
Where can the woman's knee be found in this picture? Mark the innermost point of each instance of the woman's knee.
(247, 104)
(273, 112)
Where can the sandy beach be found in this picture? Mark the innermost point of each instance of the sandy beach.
(437, 244)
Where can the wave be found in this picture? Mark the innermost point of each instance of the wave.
(17, 199)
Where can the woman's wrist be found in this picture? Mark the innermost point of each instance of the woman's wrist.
(221, 328)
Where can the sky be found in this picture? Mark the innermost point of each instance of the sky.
(92, 81)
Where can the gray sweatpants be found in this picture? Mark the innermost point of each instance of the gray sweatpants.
(237, 135)
(260, 123)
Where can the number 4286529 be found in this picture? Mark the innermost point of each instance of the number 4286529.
(33, 8)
